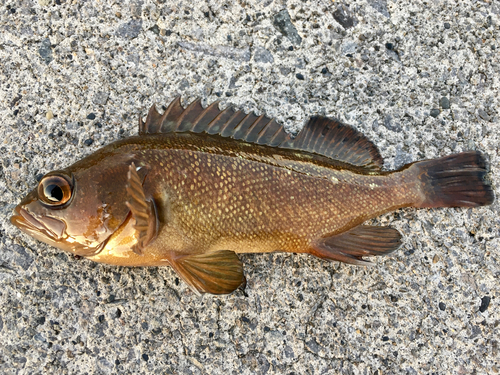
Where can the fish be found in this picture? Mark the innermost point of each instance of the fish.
(199, 185)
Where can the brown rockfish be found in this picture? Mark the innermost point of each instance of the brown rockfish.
(199, 185)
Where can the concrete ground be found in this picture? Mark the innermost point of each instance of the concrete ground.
(420, 79)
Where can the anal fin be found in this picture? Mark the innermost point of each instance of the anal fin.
(219, 272)
(351, 246)
(143, 211)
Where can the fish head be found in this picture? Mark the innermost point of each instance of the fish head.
(77, 209)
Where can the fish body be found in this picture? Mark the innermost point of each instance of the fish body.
(199, 185)
(216, 194)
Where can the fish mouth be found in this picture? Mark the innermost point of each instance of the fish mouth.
(52, 231)
(49, 228)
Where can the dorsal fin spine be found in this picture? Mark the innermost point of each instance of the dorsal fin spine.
(186, 111)
(235, 114)
(254, 124)
(141, 125)
(169, 108)
(276, 133)
(216, 119)
(233, 124)
(203, 113)
(237, 127)
(221, 113)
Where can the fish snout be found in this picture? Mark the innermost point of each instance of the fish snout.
(43, 225)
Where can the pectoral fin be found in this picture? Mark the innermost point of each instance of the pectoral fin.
(143, 211)
(351, 246)
(219, 272)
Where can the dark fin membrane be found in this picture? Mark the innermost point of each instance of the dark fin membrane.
(143, 211)
(351, 246)
(455, 181)
(219, 272)
(321, 135)
(335, 140)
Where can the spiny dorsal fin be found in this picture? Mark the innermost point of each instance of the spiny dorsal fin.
(321, 135)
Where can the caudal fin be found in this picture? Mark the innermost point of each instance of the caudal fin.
(455, 181)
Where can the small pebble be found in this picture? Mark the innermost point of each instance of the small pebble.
(447, 25)
(91, 116)
(49, 115)
(145, 357)
(299, 76)
(482, 113)
(155, 29)
(88, 142)
(444, 102)
(435, 112)
(485, 302)
(442, 306)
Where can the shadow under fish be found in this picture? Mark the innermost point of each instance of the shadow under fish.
(199, 185)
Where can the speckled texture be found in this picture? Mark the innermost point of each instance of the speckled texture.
(76, 75)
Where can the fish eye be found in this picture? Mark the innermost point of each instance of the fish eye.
(55, 190)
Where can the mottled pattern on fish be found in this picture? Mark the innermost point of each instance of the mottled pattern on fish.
(237, 199)
(192, 200)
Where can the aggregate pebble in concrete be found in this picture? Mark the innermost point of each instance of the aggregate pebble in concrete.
(381, 66)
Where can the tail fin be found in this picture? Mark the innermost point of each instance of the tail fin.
(455, 181)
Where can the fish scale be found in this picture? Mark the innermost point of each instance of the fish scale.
(233, 192)
(199, 185)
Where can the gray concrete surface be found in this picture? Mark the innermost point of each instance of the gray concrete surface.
(421, 79)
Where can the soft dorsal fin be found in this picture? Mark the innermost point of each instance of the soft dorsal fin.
(321, 135)
(330, 138)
